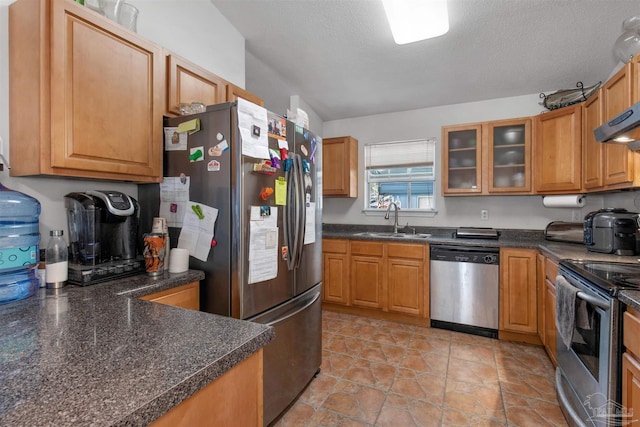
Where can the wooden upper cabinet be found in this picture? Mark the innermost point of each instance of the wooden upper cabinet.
(234, 92)
(508, 149)
(558, 151)
(618, 96)
(187, 83)
(85, 95)
(462, 171)
(340, 167)
(592, 150)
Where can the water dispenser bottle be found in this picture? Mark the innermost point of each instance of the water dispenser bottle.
(19, 239)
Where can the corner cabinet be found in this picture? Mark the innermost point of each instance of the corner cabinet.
(487, 158)
(340, 167)
(86, 95)
(557, 154)
(234, 92)
(185, 296)
(234, 399)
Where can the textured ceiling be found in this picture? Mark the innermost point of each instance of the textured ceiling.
(340, 57)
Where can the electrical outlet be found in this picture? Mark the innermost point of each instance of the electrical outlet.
(484, 214)
(576, 216)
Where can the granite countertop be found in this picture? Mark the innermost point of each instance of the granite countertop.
(98, 355)
(443, 236)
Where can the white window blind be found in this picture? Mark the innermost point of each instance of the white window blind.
(401, 154)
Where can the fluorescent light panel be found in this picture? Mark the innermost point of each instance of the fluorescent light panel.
(414, 20)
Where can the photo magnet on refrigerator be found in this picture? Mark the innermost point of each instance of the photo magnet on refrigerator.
(213, 166)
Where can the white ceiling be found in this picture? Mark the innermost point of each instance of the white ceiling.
(340, 58)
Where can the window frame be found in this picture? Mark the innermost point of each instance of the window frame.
(367, 210)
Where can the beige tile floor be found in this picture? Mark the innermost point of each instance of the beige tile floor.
(382, 373)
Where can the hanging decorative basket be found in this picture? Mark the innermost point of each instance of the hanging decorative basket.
(565, 97)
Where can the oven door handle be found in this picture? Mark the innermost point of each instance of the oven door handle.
(598, 302)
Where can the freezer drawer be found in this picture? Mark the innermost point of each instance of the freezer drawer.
(294, 356)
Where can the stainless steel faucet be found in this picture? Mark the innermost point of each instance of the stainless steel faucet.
(395, 222)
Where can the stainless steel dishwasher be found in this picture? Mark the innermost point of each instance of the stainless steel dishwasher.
(465, 289)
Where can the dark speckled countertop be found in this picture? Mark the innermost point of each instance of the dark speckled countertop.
(99, 356)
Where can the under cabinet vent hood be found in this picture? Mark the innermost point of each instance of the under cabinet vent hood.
(622, 129)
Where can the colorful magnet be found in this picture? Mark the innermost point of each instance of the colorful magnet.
(255, 131)
(196, 154)
(183, 178)
(275, 159)
(284, 153)
(198, 211)
(173, 207)
(266, 192)
(314, 147)
(214, 243)
(213, 166)
(285, 252)
(218, 149)
(304, 150)
(305, 166)
(264, 167)
(305, 135)
(265, 210)
(287, 165)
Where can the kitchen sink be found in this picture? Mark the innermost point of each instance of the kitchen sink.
(394, 235)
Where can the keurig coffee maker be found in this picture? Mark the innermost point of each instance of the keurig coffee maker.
(103, 231)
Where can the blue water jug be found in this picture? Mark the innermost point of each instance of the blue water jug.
(19, 240)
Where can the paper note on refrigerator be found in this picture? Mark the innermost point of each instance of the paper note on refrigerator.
(253, 126)
(197, 229)
(174, 195)
(310, 224)
(263, 245)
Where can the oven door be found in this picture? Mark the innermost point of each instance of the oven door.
(585, 366)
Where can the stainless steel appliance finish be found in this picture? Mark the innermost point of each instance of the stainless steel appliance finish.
(621, 129)
(477, 233)
(588, 372)
(566, 232)
(464, 289)
(293, 358)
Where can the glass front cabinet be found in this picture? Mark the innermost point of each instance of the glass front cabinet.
(503, 146)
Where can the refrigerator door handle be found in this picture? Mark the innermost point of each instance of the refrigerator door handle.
(302, 217)
(306, 303)
(288, 217)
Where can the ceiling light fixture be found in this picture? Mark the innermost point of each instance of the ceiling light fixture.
(414, 20)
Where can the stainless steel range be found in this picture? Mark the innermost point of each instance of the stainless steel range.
(588, 373)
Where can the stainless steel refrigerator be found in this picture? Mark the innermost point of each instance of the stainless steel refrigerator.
(234, 183)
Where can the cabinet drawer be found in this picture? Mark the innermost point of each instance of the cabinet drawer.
(631, 332)
(335, 246)
(551, 270)
(366, 248)
(399, 250)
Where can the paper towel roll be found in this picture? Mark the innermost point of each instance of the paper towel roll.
(564, 201)
(178, 260)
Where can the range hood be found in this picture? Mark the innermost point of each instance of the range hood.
(622, 129)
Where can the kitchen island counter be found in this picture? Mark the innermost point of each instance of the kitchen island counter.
(98, 355)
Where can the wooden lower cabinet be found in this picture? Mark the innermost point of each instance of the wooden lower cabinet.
(234, 399)
(550, 321)
(631, 364)
(335, 271)
(375, 278)
(518, 292)
(408, 278)
(367, 274)
(185, 296)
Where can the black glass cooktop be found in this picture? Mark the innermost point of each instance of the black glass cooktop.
(610, 276)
